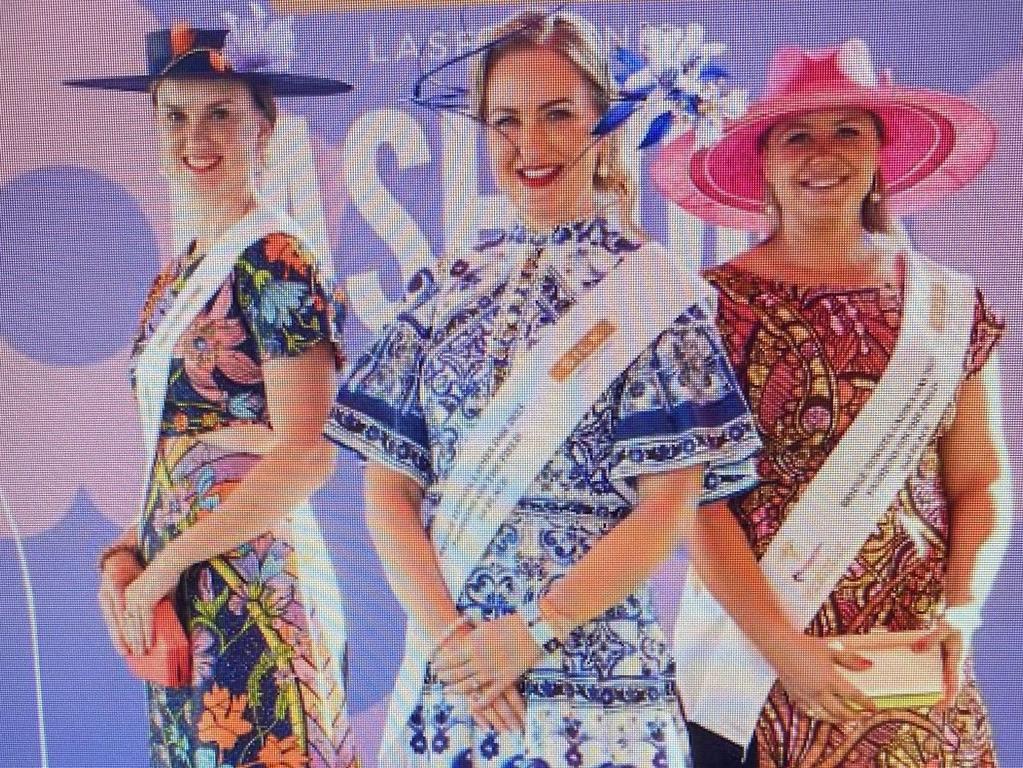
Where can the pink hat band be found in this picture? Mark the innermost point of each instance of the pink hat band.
(934, 143)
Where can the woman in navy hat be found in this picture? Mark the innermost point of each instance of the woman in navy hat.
(233, 370)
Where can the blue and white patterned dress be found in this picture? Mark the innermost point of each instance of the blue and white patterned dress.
(608, 697)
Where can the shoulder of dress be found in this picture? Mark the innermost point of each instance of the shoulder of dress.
(653, 255)
(279, 247)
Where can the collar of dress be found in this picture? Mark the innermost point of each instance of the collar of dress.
(595, 232)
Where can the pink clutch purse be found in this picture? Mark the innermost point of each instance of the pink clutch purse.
(169, 661)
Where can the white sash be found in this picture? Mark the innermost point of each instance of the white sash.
(153, 364)
(723, 679)
(546, 394)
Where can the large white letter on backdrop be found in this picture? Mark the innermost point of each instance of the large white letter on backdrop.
(382, 212)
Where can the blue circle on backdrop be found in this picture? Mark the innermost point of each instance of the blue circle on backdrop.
(77, 255)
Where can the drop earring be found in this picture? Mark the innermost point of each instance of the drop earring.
(873, 195)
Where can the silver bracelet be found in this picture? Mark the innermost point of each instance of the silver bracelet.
(540, 629)
(963, 616)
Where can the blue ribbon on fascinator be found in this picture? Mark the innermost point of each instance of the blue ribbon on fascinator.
(674, 84)
(455, 98)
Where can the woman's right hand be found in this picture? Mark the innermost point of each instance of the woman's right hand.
(500, 710)
(119, 570)
(807, 668)
(505, 713)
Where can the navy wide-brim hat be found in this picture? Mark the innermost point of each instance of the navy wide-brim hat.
(186, 52)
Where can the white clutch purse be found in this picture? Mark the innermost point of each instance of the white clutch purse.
(899, 677)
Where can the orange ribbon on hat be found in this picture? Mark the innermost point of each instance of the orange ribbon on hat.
(182, 38)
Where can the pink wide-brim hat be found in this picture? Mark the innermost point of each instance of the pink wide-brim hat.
(934, 143)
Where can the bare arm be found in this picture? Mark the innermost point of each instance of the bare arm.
(410, 562)
(487, 662)
(721, 556)
(296, 461)
(975, 469)
(407, 555)
(243, 438)
(624, 559)
(724, 561)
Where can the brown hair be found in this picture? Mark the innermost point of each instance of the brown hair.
(260, 91)
(578, 41)
(874, 216)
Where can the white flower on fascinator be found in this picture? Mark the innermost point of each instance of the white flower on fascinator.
(674, 84)
(258, 42)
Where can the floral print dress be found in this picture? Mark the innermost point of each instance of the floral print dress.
(607, 698)
(787, 341)
(267, 635)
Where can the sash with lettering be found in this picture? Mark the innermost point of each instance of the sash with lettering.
(723, 680)
(153, 364)
(546, 394)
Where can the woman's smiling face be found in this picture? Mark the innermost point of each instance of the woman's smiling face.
(822, 164)
(211, 136)
(541, 109)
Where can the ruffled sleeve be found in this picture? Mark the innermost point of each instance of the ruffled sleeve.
(988, 329)
(378, 412)
(681, 405)
(288, 305)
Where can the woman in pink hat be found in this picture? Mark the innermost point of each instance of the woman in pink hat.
(884, 500)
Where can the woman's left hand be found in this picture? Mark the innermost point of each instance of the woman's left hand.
(954, 634)
(140, 598)
(488, 660)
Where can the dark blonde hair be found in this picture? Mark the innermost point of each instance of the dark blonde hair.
(579, 42)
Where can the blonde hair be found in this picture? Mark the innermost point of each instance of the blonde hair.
(579, 42)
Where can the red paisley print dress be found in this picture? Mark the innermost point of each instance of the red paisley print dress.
(808, 359)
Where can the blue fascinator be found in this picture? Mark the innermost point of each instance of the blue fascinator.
(434, 93)
(672, 85)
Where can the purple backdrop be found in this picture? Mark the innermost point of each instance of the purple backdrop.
(85, 221)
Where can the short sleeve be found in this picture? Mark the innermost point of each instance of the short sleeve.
(681, 405)
(988, 329)
(287, 304)
(377, 412)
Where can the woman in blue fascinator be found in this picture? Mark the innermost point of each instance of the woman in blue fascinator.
(233, 371)
(540, 422)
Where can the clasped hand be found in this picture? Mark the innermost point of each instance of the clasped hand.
(808, 670)
(128, 595)
(484, 664)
